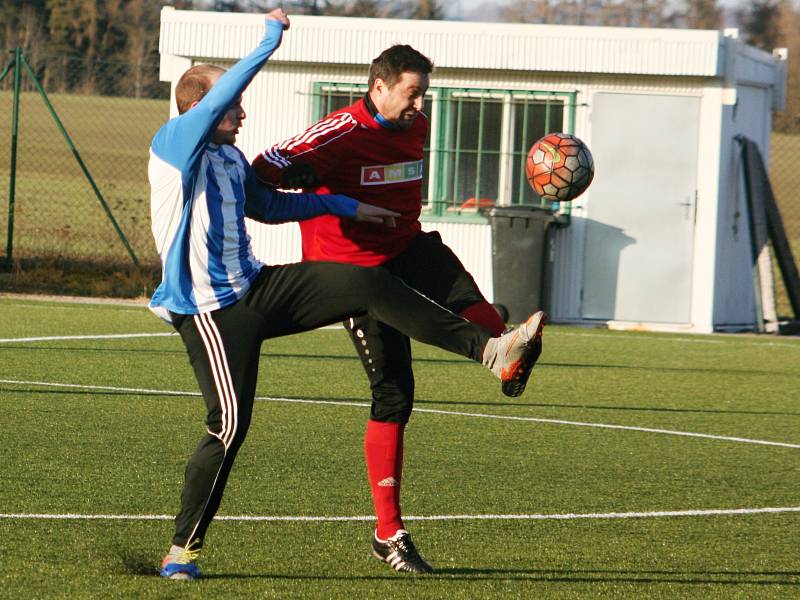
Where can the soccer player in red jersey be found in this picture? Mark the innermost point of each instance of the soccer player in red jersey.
(373, 151)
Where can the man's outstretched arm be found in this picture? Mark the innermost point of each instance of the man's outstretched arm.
(268, 205)
(180, 140)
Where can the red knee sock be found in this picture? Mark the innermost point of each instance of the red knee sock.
(485, 315)
(383, 447)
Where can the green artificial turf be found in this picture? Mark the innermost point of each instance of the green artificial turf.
(111, 433)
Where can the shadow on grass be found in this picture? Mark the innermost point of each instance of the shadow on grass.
(660, 409)
(444, 404)
(95, 276)
(437, 403)
(28, 347)
(728, 578)
(46, 392)
(141, 563)
(432, 361)
(629, 576)
(135, 562)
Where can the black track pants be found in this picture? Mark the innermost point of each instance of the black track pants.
(431, 267)
(224, 347)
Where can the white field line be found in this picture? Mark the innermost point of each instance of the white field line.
(46, 301)
(421, 410)
(95, 306)
(490, 517)
(609, 426)
(700, 339)
(605, 335)
(115, 336)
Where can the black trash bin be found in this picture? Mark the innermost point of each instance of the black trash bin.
(518, 251)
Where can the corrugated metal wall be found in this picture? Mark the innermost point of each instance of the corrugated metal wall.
(472, 243)
(275, 244)
(461, 45)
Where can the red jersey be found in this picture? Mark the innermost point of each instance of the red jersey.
(355, 155)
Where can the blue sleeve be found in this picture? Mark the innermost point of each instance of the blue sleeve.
(181, 139)
(268, 205)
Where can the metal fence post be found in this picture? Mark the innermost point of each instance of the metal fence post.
(9, 259)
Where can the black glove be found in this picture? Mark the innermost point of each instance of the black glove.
(299, 175)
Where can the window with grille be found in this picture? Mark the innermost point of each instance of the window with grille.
(477, 142)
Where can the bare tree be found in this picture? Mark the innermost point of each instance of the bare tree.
(788, 120)
(428, 9)
(760, 23)
(140, 52)
(703, 14)
(412, 9)
(620, 13)
(529, 11)
(22, 27)
(340, 8)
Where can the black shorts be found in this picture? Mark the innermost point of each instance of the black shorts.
(430, 267)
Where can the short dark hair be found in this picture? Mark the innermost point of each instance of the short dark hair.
(394, 61)
(194, 84)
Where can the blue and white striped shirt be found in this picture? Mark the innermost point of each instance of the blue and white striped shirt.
(200, 192)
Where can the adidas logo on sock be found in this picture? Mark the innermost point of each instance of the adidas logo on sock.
(388, 482)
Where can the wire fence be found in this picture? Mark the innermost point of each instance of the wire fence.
(785, 180)
(59, 216)
(58, 219)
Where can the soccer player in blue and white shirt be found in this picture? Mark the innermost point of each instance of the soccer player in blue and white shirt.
(225, 303)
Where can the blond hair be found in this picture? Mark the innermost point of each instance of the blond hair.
(194, 84)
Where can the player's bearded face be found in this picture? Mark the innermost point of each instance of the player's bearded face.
(402, 102)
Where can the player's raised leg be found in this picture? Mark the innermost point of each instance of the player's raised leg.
(308, 295)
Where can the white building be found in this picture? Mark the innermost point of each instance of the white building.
(660, 240)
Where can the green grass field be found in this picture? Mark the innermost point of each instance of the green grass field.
(612, 424)
(56, 212)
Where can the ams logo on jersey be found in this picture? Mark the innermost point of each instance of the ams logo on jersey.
(396, 173)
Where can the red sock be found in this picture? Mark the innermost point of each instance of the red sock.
(383, 447)
(485, 315)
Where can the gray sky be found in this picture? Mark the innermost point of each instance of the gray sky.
(489, 10)
(479, 10)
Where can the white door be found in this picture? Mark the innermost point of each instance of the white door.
(641, 208)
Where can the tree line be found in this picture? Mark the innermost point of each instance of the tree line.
(111, 46)
(91, 46)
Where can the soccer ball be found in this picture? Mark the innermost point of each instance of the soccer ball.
(559, 167)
